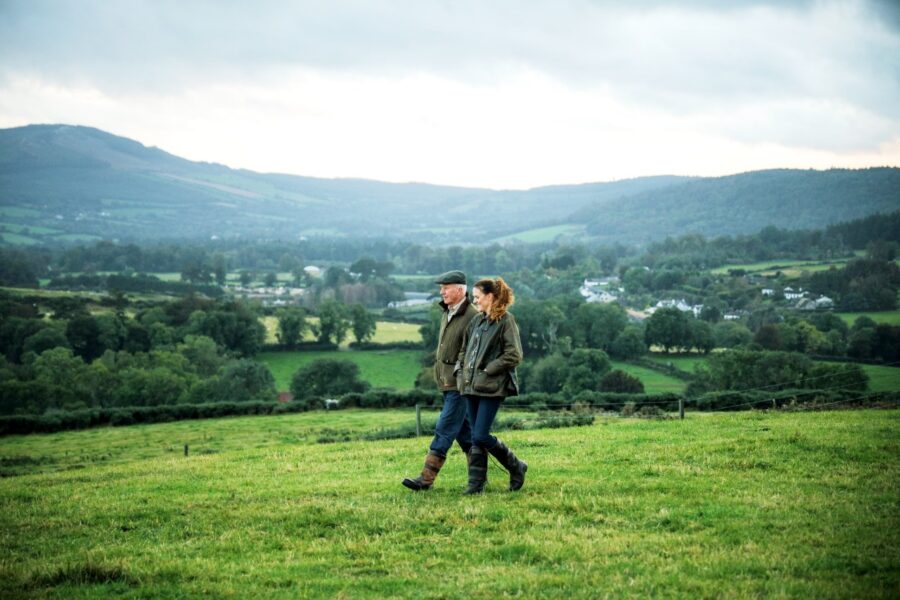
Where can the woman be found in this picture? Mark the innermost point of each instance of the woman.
(486, 374)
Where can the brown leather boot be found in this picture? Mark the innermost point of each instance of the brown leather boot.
(433, 464)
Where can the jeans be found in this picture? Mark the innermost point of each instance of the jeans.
(482, 410)
(452, 425)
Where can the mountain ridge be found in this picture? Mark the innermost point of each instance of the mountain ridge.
(68, 182)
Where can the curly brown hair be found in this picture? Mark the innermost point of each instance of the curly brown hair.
(503, 296)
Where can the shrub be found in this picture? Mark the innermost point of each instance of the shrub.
(622, 382)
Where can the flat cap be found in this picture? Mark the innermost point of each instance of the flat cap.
(451, 277)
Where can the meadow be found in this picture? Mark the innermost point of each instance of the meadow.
(381, 368)
(720, 505)
(889, 317)
(386, 332)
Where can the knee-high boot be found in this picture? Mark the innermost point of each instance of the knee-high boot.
(511, 463)
(477, 470)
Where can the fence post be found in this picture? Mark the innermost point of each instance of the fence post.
(681, 407)
(418, 419)
(185, 449)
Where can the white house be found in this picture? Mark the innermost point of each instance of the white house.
(603, 297)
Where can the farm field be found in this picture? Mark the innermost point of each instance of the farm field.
(654, 381)
(883, 379)
(683, 362)
(543, 234)
(890, 317)
(382, 368)
(719, 505)
(789, 267)
(386, 332)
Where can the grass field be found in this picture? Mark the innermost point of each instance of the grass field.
(543, 234)
(683, 362)
(883, 379)
(800, 505)
(654, 381)
(382, 368)
(789, 267)
(386, 332)
(891, 317)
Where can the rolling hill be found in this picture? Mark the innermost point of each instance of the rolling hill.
(71, 183)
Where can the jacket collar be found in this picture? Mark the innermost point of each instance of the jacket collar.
(462, 305)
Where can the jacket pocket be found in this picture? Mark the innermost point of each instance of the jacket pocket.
(486, 384)
(443, 374)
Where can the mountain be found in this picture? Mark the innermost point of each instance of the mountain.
(745, 203)
(64, 183)
(60, 181)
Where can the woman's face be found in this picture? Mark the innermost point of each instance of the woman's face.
(483, 301)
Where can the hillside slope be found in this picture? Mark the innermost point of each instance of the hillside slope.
(61, 182)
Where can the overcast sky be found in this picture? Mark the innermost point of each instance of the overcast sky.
(501, 94)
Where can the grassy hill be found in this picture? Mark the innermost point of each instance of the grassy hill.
(727, 505)
(80, 180)
(60, 182)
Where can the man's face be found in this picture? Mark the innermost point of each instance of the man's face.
(452, 293)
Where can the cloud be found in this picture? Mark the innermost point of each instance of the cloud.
(819, 76)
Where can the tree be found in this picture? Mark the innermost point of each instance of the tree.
(586, 368)
(83, 335)
(669, 328)
(768, 337)
(363, 323)
(292, 325)
(245, 278)
(702, 337)
(333, 323)
(326, 377)
(245, 380)
(729, 334)
(45, 339)
(547, 375)
(539, 324)
(629, 344)
(597, 325)
(270, 279)
(202, 354)
(621, 382)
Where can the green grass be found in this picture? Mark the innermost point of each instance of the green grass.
(18, 212)
(382, 368)
(800, 505)
(77, 237)
(32, 229)
(783, 265)
(386, 332)
(16, 239)
(891, 317)
(684, 362)
(883, 379)
(543, 234)
(654, 381)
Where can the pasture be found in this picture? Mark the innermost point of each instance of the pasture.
(720, 505)
(654, 381)
(889, 317)
(386, 332)
(382, 368)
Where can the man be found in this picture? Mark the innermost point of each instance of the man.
(452, 424)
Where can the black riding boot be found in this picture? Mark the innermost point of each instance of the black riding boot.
(477, 470)
(512, 464)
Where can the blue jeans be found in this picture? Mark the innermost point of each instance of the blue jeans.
(452, 425)
(482, 410)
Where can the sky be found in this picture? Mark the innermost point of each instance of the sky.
(505, 94)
